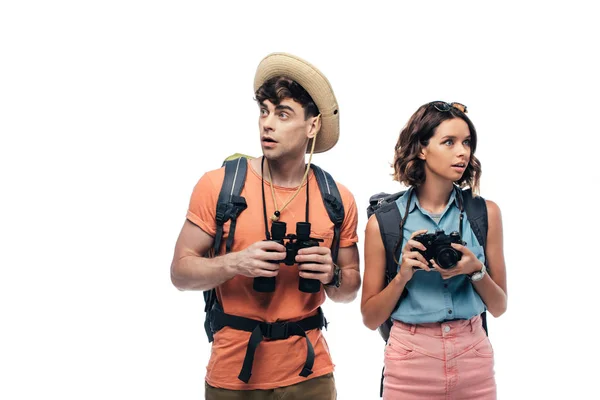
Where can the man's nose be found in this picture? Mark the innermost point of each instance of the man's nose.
(268, 122)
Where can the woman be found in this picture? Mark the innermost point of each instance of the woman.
(437, 347)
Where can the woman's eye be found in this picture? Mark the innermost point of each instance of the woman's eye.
(448, 142)
(467, 142)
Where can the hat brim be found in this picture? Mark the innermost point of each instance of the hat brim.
(317, 86)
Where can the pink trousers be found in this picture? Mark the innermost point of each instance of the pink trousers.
(452, 360)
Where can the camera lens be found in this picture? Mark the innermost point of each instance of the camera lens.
(447, 258)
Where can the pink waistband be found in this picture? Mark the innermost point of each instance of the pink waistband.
(442, 328)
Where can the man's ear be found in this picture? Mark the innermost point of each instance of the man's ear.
(314, 127)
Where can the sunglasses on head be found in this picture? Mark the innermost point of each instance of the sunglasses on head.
(443, 106)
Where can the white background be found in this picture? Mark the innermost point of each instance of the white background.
(111, 111)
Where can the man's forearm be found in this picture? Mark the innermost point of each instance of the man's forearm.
(348, 288)
(200, 273)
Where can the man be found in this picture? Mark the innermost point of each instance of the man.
(277, 350)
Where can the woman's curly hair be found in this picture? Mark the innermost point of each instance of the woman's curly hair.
(409, 169)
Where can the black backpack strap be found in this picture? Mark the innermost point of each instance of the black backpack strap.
(381, 383)
(210, 300)
(476, 210)
(229, 206)
(389, 218)
(477, 215)
(274, 331)
(333, 204)
(380, 199)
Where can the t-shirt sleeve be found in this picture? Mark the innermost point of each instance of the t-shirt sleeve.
(203, 203)
(348, 236)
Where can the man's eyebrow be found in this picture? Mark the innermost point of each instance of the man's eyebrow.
(278, 107)
(284, 107)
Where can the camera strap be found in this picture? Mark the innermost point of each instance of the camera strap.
(459, 199)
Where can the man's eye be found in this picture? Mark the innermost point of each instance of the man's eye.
(263, 111)
(283, 115)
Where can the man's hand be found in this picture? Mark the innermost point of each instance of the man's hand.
(254, 260)
(318, 263)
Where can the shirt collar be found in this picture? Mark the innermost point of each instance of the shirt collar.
(414, 202)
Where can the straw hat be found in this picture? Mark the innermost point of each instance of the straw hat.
(317, 86)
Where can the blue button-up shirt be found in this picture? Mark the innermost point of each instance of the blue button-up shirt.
(428, 297)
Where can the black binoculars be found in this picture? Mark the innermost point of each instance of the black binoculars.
(292, 243)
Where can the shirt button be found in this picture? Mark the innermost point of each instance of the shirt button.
(445, 285)
(446, 329)
(449, 311)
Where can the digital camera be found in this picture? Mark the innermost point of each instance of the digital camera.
(292, 243)
(438, 248)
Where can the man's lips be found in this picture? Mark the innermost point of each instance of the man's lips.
(268, 142)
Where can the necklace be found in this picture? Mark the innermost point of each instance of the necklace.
(277, 213)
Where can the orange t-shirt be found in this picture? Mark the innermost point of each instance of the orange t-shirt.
(277, 363)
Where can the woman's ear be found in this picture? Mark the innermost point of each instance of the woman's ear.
(422, 153)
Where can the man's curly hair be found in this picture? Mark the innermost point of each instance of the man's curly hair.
(279, 88)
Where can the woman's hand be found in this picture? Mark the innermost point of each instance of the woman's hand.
(467, 265)
(411, 259)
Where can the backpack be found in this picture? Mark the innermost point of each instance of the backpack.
(230, 205)
(383, 205)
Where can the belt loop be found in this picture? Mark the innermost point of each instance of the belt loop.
(472, 325)
(413, 328)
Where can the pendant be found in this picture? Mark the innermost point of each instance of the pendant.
(275, 216)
